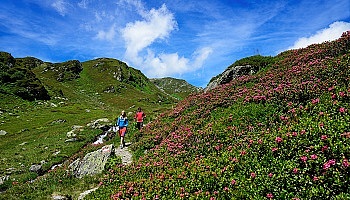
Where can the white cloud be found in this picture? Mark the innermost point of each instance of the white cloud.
(333, 32)
(164, 65)
(107, 35)
(200, 56)
(134, 3)
(157, 24)
(83, 4)
(60, 6)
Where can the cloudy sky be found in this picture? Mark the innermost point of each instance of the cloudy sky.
(187, 39)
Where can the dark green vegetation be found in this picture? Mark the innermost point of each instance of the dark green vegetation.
(282, 133)
(258, 62)
(17, 78)
(176, 87)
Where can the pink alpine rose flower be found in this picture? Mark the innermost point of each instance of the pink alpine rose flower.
(324, 148)
(295, 170)
(253, 175)
(342, 110)
(269, 195)
(278, 140)
(233, 182)
(346, 163)
(315, 101)
(332, 162)
(326, 166)
(303, 158)
(313, 157)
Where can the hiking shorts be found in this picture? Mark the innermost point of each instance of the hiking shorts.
(139, 125)
(122, 131)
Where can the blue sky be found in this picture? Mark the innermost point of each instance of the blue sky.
(187, 39)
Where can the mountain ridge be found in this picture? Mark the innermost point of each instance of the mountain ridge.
(178, 88)
(70, 70)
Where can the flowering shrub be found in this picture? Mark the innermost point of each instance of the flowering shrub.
(279, 134)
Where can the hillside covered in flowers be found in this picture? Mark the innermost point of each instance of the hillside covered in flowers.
(283, 133)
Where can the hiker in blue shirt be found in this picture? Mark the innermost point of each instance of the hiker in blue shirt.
(122, 123)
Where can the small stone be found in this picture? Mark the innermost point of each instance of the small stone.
(36, 168)
(2, 132)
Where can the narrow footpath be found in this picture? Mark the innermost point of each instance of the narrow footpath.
(124, 153)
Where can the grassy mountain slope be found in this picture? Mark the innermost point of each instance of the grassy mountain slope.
(175, 87)
(282, 133)
(110, 82)
(79, 93)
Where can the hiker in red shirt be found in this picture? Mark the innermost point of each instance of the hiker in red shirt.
(139, 116)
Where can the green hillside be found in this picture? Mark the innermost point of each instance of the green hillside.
(40, 102)
(178, 88)
(282, 133)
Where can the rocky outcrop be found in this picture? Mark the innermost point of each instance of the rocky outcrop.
(65, 71)
(228, 75)
(99, 123)
(6, 61)
(29, 62)
(92, 163)
(18, 78)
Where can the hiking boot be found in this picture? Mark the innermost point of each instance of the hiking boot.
(121, 146)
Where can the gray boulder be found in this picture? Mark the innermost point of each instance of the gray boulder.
(36, 168)
(92, 163)
(228, 75)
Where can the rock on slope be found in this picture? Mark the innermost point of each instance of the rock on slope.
(228, 75)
